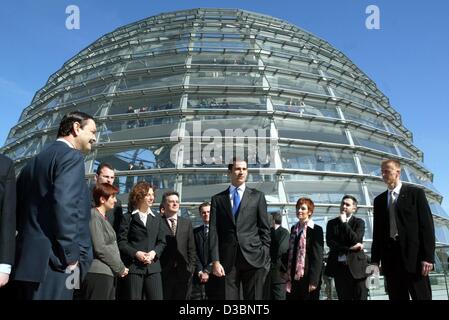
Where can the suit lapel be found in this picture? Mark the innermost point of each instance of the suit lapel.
(401, 198)
(245, 200)
(136, 218)
(227, 205)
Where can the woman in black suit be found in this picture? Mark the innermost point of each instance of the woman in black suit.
(141, 243)
(305, 255)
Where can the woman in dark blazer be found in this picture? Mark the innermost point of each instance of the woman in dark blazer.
(305, 255)
(99, 283)
(141, 241)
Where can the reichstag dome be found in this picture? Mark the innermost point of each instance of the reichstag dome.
(177, 95)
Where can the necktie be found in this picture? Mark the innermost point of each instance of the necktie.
(206, 231)
(236, 201)
(173, 226)
(392, 216)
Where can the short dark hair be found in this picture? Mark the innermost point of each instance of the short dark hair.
(168, 194)
(103, 165)
(66, 124)
(104, 190)
(348, 196)
(204, 204)
(277, 217)
(234, 160)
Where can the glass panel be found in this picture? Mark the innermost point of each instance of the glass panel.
(318, 159)
(228, 126)
(364, 118)
(218, 77)
(220, 45)
(437, 209)
(154, 62)
(151, 157)
(286, 82)
(370, 165)
(219, 153)
(375, 188)
(137, 129)
(226, 102)
(202, 186)
(372, 142)
(83, 92)
(144, 104)
(321, 189)
(442, 233)
(349, 80)
(162, 183)
(419, 178)
(301, 129)
(351, 96)
(277, 47)
(406, 154)
(145, 81)
(228, 59)
(291, 65)
(304, 107)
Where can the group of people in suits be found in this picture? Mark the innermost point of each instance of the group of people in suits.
(62, 244)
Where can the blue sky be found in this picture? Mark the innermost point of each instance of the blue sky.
(408, 57)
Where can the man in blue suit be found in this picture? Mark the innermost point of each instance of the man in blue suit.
(53, 214)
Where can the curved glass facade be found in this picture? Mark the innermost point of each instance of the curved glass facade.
(175, 96)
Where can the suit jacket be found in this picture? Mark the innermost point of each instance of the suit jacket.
(313, 263)
(135, 236)
(114, 215)
(180, 253)
(339, 238)
(104, 242)
(7, 211)
(202, 250)
(278, 253)
(249, 230)
(415, 229)
(53, 214)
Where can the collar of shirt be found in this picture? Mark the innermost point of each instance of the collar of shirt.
(396, 191)
(348, 218)
(175, 217)
(310, 224)
(66, 142)
(240, 191)
(148, 212)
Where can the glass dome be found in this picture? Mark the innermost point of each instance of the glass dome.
(176, 95)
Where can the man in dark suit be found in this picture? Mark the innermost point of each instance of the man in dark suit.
(105, 174)
(347, 261)
(179, 257)
(204, 284)
(403, 237)
(275, 281)
(240, 236)
(7, 221)
(53, 214)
